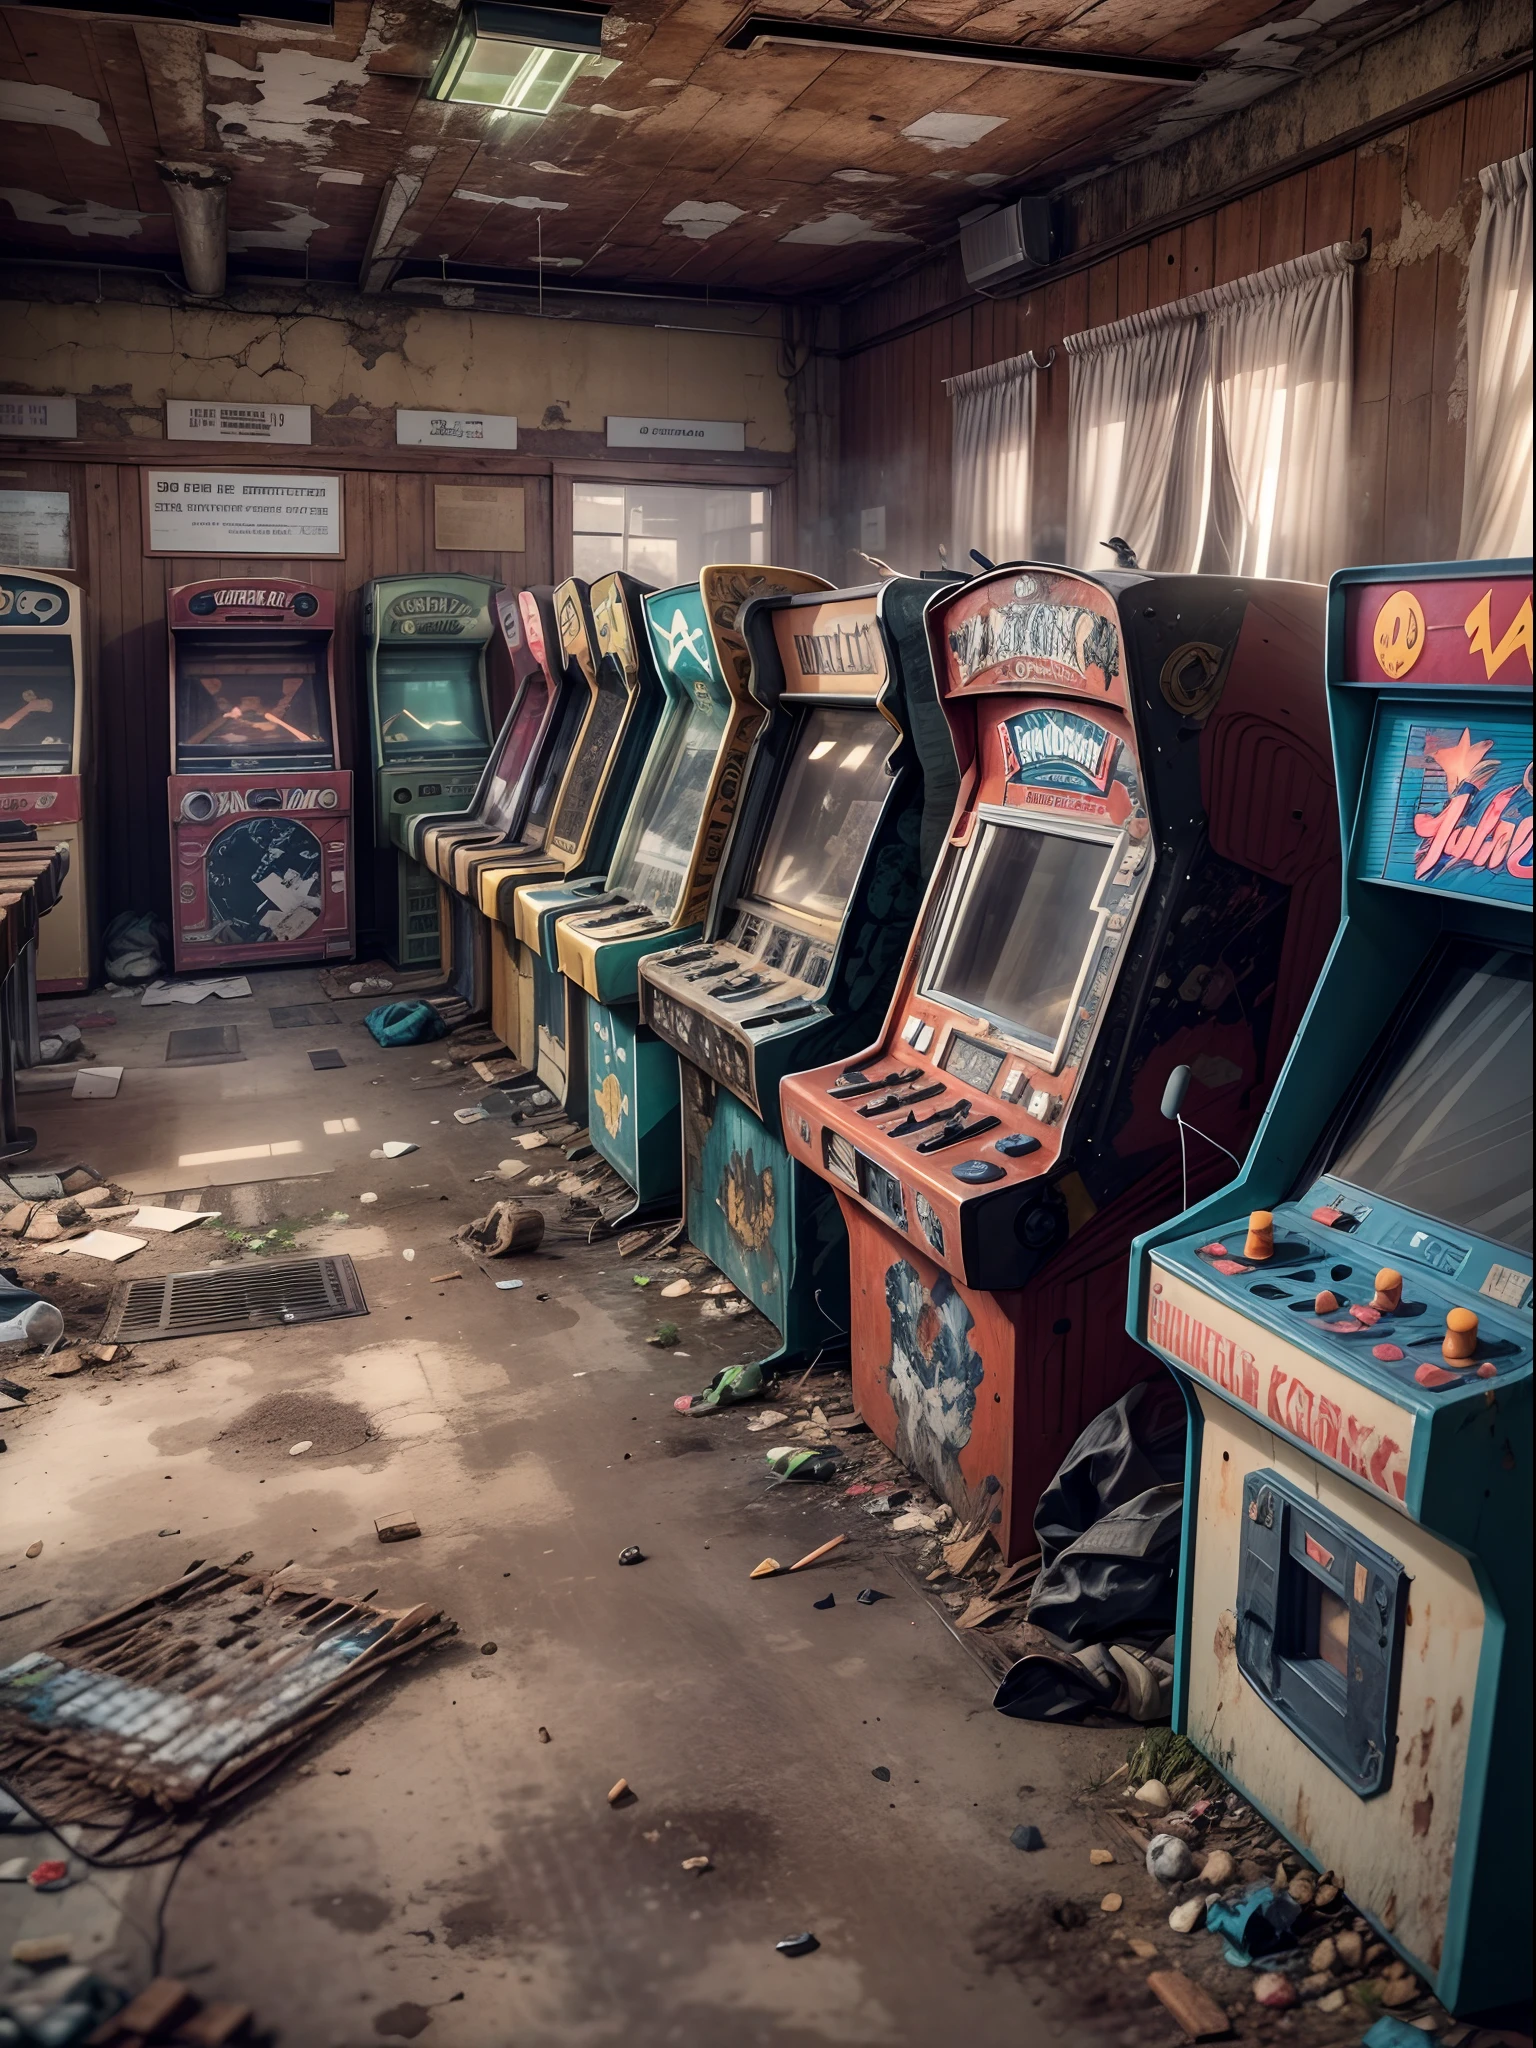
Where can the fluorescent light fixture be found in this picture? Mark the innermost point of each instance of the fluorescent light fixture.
(751, 29)
(517, 59)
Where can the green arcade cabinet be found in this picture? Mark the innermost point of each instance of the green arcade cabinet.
(1350, 1319)
(846, 805)
(669, 847)
(426, 639)
(605, 643)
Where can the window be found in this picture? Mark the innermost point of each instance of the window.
(665, 533)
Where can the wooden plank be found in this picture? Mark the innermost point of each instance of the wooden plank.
(1237, 239)
(1497, 125)
(1132, 268)
(1377, 206)
(1165, 268)
(1103, 294)
(1330, 201)
(1282, 221)
(1200, 254)
(1368, 479)
(1407, 526)
(1201, 2018)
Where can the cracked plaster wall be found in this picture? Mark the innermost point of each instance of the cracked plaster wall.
(357, 361)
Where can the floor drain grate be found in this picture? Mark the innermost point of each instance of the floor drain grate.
(252, 1297)
(207, 1046)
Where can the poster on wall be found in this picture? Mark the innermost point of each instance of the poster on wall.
(34, 529)
(205, 512)
(478, 518)
(723, 436)
(23, 417)
(197, 419)
(455, 429)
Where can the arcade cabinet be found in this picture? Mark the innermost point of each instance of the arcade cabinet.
(576, 822)
(425, 641)
(1350, 1320)
(43, 729)
(1141, 873)
(669, 846)
(846, 804)
(261, 816)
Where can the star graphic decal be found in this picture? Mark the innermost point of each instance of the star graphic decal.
(1462, 762)
(680, 635)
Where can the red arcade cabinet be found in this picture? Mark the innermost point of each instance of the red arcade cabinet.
(261, 816)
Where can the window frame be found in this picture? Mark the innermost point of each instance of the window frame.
(770, 477)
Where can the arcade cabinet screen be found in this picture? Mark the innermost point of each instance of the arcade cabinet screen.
(37, 705)
(1020, 932)
(553, 761)
(652, 868)
(430, 702)
(827, 810)
(513, 760)
(1445, 1126)
(261, 701)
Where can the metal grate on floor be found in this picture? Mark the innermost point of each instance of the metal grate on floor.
(228, 1298)
(208, 1045)
(291, 1016)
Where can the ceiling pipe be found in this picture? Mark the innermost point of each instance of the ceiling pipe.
(199, 196)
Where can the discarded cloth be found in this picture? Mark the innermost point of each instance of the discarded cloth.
(1052, 1681)
(1256, 1922)
(134, 947)
(405, 1024)
(506, 1227)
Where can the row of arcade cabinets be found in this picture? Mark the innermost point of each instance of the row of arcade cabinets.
(1350, 1320)
(44, 735)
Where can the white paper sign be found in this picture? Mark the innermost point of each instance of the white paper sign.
(40, 419)
(729, 436)
(34, 529)
(455, 430)
(196, 512)
(197, 419)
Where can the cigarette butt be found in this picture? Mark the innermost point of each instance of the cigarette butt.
(618, 1791)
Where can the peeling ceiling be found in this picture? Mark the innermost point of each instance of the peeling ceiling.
(672, 163)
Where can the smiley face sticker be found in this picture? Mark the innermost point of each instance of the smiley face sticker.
(1398, 635)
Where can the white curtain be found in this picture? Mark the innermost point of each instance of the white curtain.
(1214, 433)
(993, 467)
(1138, 448)
(1496, 497)
(1281, 354)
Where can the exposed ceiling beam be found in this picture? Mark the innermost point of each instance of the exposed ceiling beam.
(752, 29)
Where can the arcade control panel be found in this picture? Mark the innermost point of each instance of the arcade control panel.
(1389, 1297)
(719, 1000)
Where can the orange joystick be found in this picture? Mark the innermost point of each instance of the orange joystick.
(1389, 1291)
(1261, 1236)
(1460, 1340)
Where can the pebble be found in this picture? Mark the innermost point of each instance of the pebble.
(1027, 1836)
(1395, 1990)
(1169, 1860)
(699, 1863)
(1101, 1855)
(1111, 1902)
(1153, 1796)
(1315, 1985)
(1218, 1869)
(297, 1450)
(1186, 1918)
(1327, 1895)
(1350, 1949)
(1143, 1951)
(1324, 1956)
(1273, 1990)
(34, 1550)
(1303, 1888)
(367, 1198)
(1331, 2001)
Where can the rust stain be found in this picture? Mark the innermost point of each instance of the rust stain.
(1426, 1743)
(1389, 1913)
(749, 1202)
(1225, 1641)
(1423, 1813)
(1457, 1713)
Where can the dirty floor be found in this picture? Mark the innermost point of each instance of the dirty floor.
(432, 1867)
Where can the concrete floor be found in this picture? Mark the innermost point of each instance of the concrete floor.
(431, 1867)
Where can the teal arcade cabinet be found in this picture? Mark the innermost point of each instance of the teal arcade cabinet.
(845, 808)
(1350, 1319)
(425, 641)
(668, 850)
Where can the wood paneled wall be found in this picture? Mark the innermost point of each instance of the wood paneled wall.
(388, 530)
(1415, 189)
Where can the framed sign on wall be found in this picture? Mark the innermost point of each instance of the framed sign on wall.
(210, 512)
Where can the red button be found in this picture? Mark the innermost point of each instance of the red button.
(1343, 1329)
(1364, 1313)
(1230, 1266)
(1431, 1375)
(1389, 1354)
(1487, 1371)
(1215, 1251)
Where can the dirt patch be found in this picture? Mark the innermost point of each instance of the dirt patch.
(274, 1425)
(354, 1912)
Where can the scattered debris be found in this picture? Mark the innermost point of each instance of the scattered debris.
(697, 1864)
(1186, 1918)
(631, 1554)
(473, 1115)
(507, 1226)
(1101, 1856)
(1153, 1795)
(111, 1245)
(793, 1467)
(675, 1289)
(102, 1082)
(868, 1595)
(487, 1649)
(815, 1556)
(439, 1279)
(765, 1570)
(397, 1528)
(393, 1148)
(619, 1791)
(1169, 1859)
(830, 1600)
(228, 989)
(731, 1386)
(1194, 2010)
(52, 1876)
(1111, 1902)
(297, 1450)
(148, 1217)
(1027, 1836)
(34, 1549)
(42, 1951)
(544, 1735)
(798, 1945)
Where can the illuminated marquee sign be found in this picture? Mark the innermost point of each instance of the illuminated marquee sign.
(1452, 807)
(1473, 630)
(1034, 628)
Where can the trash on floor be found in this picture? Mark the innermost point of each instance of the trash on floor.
(28, 1318)
(394, 1024)
(790, 1465)
(177, 1703)
(112, 1245)
(397, 1528)
(98, 1081)
(151, 1218)
(134, 947)
(474, 1115)
(228, 988)
(507, 1226)
(730, 1386)
(798, 1945)
(393, 1148)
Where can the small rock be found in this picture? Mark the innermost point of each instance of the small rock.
(1315, 1985)
(297, 1450)
(544, 1735)
(1218, 1869)
(1349, 1949)
(367, 1198)
(1186, 1918)
(1327, 1895)
(34, 1550)
(798, 1945)
(1027, 1836)
(1143, 1951)
(676, 1288)
(1272, 1989)
(1303, 1888)
(1111, 1902)
(1324, 1956)
(1169, 1860)
(1331, 2001)
(1101, 1855)
(696, 1863)
(1153, 1796)
(631, 1554)
(487, 1649)
(881, 1772)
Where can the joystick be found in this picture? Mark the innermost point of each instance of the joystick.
(1460, 1340)
(1261, 1236)
(1389, 1291)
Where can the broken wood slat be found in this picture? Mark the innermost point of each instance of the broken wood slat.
(1195, 2010)
(87, 1629)
(979, 1613)
(960, 1556)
